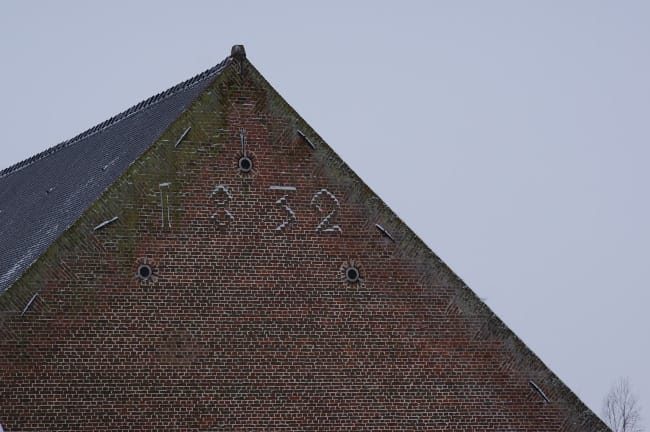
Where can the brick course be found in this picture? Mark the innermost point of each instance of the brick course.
(248, 321)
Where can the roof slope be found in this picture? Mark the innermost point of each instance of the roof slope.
(45, 194)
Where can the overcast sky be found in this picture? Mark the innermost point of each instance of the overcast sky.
(513, 137)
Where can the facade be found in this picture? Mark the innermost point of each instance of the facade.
(204, 261)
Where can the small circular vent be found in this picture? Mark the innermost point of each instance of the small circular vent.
(352, 274)
(144, 272)
(245, 164)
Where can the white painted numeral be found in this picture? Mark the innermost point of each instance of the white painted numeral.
(284, 203)
(222, 197)
(328, 222)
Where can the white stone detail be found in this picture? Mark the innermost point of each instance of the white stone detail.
(291, 214)
(284, 203)
(327, 223)
(222, 198)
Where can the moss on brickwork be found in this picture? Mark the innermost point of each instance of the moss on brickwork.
(261, 322)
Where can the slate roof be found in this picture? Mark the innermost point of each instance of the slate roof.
(44, 195)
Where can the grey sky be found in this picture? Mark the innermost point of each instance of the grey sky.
(513, 137)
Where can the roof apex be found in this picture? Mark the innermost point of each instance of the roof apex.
(238, 52)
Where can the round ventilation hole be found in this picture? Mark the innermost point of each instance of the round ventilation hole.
(144, 272)
(245, 164)
(352, 274)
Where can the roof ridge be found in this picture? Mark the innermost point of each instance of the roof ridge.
(117, 118)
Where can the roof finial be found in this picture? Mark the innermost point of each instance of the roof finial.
(238, 52)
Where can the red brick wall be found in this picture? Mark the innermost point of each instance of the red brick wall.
(247, 326)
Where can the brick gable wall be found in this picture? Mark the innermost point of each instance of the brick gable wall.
(248, 321)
